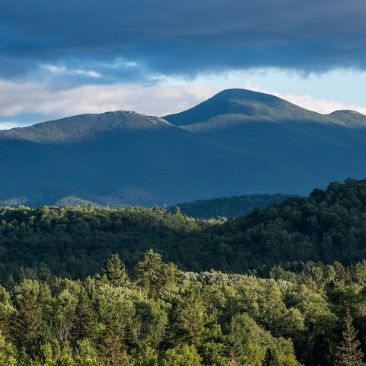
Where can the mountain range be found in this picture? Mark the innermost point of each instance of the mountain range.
(237, 142)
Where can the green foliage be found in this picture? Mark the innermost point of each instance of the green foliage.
(165, 316)
(182, 355)
(286, 315)
(152, 274)
(115, 271)
(75, 242)
(83, 323)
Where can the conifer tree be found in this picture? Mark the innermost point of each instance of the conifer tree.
(84, 322)
(115, 271)
(150, 271)
(26, 322)
(349, 352)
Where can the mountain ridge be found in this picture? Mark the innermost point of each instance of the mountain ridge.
(264, 145)
(250, 105)
(84, 126)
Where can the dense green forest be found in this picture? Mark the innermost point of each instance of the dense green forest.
(327, 226)
(228, 206)
(160, 315)
(283, 286)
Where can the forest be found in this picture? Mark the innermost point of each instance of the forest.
(91, 286)
(160, 315)
(75, 241)
(228, 206)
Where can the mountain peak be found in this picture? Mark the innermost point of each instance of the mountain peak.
(349, 118)
(244, 93)
(242, 104)
(347, 112)
(84, 126)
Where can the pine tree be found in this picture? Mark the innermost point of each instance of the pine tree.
(115, 271)
(26, 326)
(84, 321)
(26, 323)
(349, 352)
(150, 271)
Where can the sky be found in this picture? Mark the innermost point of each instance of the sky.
(60, 58)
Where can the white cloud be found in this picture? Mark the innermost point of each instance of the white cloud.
(56, 69)
(37, 98)
(168, 95)
(6, 125)
(323, 106)
(90, 73)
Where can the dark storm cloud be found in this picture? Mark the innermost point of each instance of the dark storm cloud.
(184, 37)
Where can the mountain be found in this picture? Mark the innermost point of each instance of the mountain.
(311, 147)
(238, 142)
(85, 127)
(118, 158)
(234, 105)
(227, 206)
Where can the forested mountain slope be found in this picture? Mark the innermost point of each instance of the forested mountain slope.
(327, 226)
(227, 206)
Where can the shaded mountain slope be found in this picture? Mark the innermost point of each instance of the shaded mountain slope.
(122, 165)
(232, 105)
(85, 127)
(315, 147)
(227, 206)
(238, 142)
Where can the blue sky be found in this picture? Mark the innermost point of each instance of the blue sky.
(158, 56)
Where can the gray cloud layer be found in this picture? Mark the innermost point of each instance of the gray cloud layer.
(182, 37)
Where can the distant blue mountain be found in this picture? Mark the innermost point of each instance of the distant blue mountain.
(238, 142)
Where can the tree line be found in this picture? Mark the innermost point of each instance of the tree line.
(73, 241)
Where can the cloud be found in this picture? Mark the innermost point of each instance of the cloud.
(36, 102)
(185, 38)
(63, 70)
(6, 125)
(24, 103)
(323, 106)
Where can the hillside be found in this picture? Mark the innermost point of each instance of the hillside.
(238, 142)
(227, 206)
(327, 226)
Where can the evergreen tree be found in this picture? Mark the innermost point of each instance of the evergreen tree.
(26, 323)
(84, 321)
(150, 271)
(349, 352)
(115, 271)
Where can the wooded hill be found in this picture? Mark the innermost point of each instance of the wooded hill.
(228, 206)
(327, 226)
